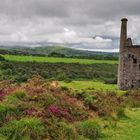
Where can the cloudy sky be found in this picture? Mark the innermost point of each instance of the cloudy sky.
(81, 24)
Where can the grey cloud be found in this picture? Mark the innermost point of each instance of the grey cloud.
(33, 8)
(44, 20)
(65, 8)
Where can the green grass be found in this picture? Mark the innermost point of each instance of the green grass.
(56, 60)
(95, 85)
(127, 129)
(92, 85)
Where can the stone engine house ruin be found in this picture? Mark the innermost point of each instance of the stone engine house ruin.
(129, 61)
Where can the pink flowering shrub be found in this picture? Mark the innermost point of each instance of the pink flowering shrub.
(36, 85)
(58, 112)
(33, 112)
(6, 92)
(2, 95)
(5, 88)
(75, 107)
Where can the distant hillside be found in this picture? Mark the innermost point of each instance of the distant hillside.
(50, 51)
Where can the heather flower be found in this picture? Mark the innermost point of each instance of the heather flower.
(58, 112)
(2, 95)
(33, 112)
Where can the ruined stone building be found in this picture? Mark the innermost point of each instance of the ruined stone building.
(129, 61)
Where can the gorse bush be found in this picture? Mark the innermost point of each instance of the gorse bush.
(24, 129)
(90, 129)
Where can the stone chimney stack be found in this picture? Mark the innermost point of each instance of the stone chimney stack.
(123, 35)
(123, 40)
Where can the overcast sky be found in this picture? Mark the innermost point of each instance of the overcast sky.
(83, 24)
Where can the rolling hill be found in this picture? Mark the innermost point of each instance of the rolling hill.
(48, 50)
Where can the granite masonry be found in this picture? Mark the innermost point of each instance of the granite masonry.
(129, 61)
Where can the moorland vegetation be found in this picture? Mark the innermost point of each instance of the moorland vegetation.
(45, 110)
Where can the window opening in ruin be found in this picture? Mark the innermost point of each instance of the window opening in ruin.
(125, 81)
(132, 56)
(135, 61)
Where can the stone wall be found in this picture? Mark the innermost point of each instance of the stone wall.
(130, 68)
(129, 61)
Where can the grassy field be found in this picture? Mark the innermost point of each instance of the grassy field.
(91, 85)
(56, 60)
(127, 129)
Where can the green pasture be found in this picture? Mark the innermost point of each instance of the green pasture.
(91, 85)
(127, 129)
(56, 60)
(94, 85)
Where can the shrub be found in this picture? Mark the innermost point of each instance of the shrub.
(2, 95)
(75, 108)
(64, 88)
(12, 106)
(15, 96)
(4, 111)
(69, 131)
(2, 58)
(89, 99)
(5, 84)
(7, 111)
(36, 85)
(57, 130)
(20, 94)
(108, 105)
(59, 70)
(58, 112)
(34, 112)
(24, 129)
(79, 95)
(110, 81)
(134, 98)
(47, 99)
(90, 129)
